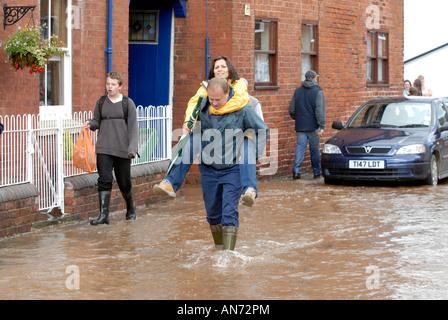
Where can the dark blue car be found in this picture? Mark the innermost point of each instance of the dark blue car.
(390, 139)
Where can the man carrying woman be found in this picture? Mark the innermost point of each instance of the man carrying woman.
(222, 67)
(223, 137)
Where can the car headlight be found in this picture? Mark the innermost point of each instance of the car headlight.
(412, 149)
(331, 149)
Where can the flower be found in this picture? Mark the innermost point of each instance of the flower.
(27, 49)
(35, 68)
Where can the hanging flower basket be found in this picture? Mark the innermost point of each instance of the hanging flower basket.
(26, 49)
(26, 61)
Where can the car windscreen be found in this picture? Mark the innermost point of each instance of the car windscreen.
(392, 115)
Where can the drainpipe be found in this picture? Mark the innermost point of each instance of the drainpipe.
(207, 55)
(109, 36)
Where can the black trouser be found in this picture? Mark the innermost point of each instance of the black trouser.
(122, 169)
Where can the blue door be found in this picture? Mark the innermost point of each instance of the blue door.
(150, 52)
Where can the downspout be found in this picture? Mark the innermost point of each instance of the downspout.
(207, 55)
(109, 36)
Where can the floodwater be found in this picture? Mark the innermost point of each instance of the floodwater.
(301, 240)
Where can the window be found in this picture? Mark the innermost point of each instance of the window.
(442, 114)
(377, 58)
(265, 54)
(390, 115)
(309, 48)
(53, 89)
(143, 26)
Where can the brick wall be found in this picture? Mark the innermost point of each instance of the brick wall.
(89, 45)
(342, 57)
(19, 207)
(20, 90)
(81, 195)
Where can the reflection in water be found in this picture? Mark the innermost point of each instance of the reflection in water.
(301, 240)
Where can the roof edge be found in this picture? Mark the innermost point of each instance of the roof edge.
(425, 53)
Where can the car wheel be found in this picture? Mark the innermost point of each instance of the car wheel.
(433, 175)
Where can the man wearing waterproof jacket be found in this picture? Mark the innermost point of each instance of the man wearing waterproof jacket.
(222, 137)
(307, 108)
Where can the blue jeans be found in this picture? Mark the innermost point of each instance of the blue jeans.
(302, 142)
(221, 190)
(248, 167)
(191, 149)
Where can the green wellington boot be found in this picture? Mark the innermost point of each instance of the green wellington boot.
(229, 234)
(216, 230)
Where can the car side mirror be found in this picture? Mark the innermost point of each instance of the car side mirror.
(338, 125)
(443, 127)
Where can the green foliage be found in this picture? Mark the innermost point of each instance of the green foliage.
(26, 48)
(68, 146)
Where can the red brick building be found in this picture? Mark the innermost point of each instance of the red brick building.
(164, 51)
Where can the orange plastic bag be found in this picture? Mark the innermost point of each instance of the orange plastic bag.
(83, 155)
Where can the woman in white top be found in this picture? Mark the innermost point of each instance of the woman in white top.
(425, 91)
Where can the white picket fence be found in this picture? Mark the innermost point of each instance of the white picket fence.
(38, 149)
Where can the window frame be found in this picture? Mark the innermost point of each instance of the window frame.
(314, 55)
(65, 65)
(272, 55)
(374, 57)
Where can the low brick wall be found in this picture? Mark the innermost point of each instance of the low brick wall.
(19, 208)
(81, 193)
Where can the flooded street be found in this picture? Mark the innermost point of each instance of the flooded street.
(301, 240)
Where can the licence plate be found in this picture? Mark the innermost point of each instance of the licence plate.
(366, 164)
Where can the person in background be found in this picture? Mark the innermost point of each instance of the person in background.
(413, 91)
(1, 128)
(407, 86)
(307, 108)
(418, 86)
(116, 146)
(425, 91)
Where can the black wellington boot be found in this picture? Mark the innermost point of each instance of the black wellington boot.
(104, 208)
(131, 213)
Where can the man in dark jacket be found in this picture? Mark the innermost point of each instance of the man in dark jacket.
(307, 107)
(222, 137)
(1, 128)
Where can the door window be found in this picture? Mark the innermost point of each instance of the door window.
(143, 26)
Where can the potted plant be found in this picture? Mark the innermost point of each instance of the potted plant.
(27, 49)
